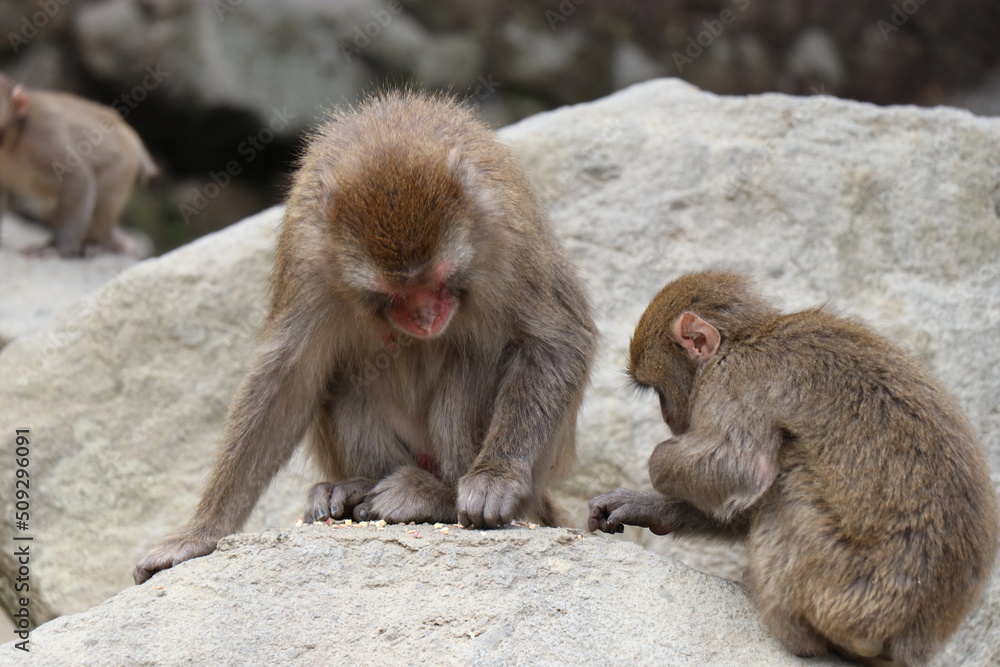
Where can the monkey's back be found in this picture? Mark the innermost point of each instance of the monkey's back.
(75, 130)
(884, 504)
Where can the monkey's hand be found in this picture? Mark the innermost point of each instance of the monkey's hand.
(491, 497)
(172, 551)
(328, 500)
(409, 494)
(612, 511)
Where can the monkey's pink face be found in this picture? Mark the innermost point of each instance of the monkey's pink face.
(421, 310)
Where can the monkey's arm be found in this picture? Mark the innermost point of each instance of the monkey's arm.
(267, 420)
(540, 384)
(723, 465)
(612, 511)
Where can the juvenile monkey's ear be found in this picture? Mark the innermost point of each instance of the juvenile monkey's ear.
(698, 337)
(19, 96)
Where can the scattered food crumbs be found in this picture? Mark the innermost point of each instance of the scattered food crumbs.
(348, 522)
(299, 522)
(438, 525)
(457, 525)
(320, 523)
(363, 524)
(532, 526)
(579, 537)
(159, 588)
(380, 523)
(444, 531)
(412, 523)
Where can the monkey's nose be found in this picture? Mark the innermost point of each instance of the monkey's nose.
(424, 317)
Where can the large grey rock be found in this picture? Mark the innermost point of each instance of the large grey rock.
(124, 399)
(322, 595)
(887, 214)
(34, 289)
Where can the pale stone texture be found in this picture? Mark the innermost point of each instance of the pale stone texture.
(34, 289)
(322, 595)
(886, 214)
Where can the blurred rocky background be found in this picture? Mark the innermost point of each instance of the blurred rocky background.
(222, 90)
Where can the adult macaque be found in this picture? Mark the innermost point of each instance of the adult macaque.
(426, 330)
(76, 159)
(859, 485)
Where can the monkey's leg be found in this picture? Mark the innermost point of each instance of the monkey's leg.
(77, 198)
(778, 573)
(331, 500)
(114, 186)
(350, 439)
(409, 494)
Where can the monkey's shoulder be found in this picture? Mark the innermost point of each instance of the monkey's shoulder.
(820, 330)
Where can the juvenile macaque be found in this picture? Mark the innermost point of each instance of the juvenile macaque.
(426, 330)
(858, 484)
(76, 159)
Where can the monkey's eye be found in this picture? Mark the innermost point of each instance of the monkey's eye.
(375, 302)
(458, 285)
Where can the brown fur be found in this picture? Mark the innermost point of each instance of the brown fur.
(82, 202)
(384, 192)
(863, 494)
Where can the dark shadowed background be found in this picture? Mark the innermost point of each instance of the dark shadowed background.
(222, 90)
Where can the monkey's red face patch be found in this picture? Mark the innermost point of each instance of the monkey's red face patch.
(423, 311)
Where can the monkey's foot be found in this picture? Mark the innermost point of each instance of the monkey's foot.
(172, 551)
(409, 494)
(41, 251)
(329, 500)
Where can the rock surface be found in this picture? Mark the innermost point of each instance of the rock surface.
(36, 288)
(886, 214)
(322, 595)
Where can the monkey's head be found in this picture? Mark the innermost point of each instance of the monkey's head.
(688, 324)
(402, 222)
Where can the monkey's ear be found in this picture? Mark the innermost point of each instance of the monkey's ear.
(698, 337)
(19, 96)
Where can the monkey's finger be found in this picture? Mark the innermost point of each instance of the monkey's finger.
(318, 503)
(472, 517)
(596, 520)
(364, 512)
(493, 508)
(617, 520)
(141, 575)
(336, 504)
